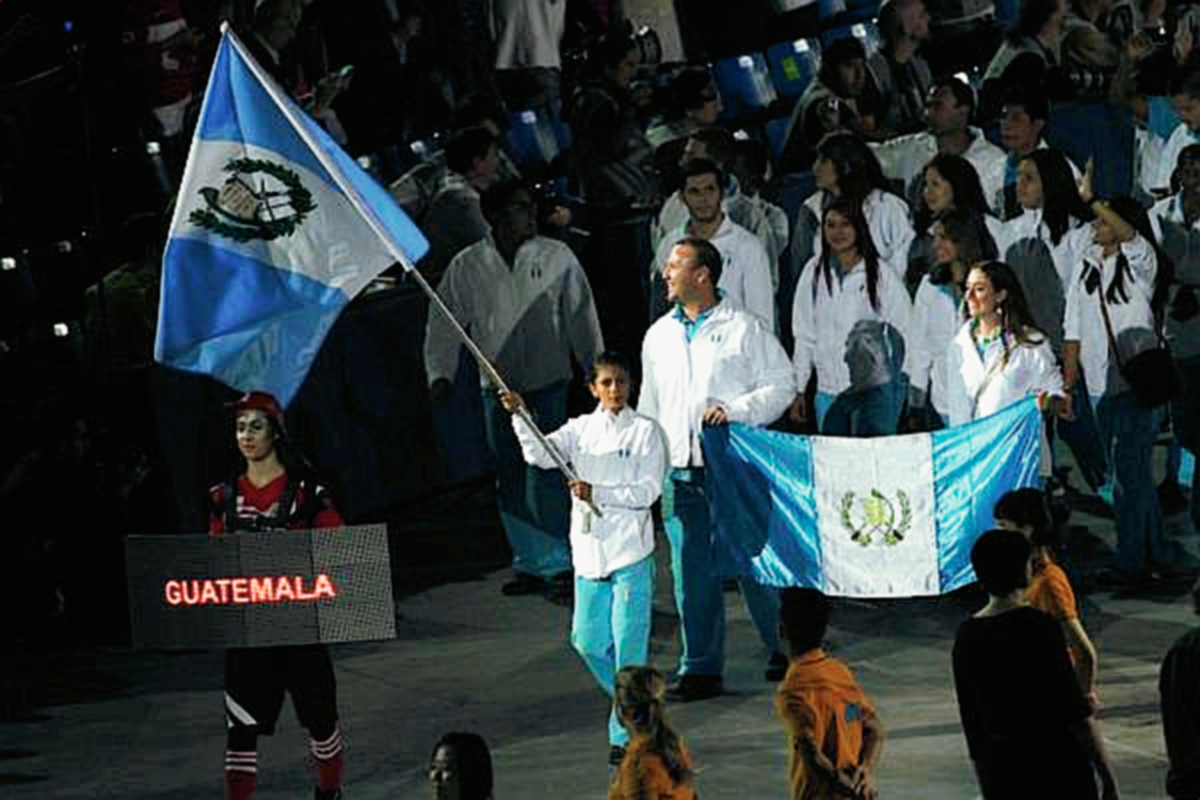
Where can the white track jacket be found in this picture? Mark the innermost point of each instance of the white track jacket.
(624, 457)
(733, 361)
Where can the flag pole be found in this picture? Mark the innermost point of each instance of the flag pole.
(496, 380)
(289, 111)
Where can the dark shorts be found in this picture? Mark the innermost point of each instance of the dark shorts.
(255, 682)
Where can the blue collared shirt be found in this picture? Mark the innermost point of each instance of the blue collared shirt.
(690, 326)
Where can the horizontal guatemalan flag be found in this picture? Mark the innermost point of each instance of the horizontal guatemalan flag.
(275, 230)
(894, 516)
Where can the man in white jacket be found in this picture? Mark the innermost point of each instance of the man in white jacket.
(746, 269)
(526, 302)
(707, 362)
(948, 112)
(718, 146)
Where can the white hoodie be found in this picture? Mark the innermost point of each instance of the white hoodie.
(979, 387)
(1134, 318)
(889, 222)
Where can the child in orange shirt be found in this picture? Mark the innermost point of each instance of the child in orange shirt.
(1049, 591)
(836, 739)
(657, 764)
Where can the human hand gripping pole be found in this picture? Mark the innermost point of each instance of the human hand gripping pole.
(513, 404)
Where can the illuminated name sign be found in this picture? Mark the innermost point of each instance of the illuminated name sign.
(261, 589)
(267, 589)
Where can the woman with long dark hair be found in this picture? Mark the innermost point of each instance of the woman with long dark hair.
(949, 184)
(1110, 319)
(846, 168)
(657, 763)
(960, 240)
(999, 357)
(275, 489)
(844, 284)
(1043, 244)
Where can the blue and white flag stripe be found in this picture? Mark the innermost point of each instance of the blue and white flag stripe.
(887, 517)
(275, 230)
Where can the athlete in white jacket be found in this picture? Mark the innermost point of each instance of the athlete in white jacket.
(707, 362)
(1117, 275)
(526, 302)
(832, 295)
(746, 272)
(620, 459)
(890, 223)
(998, 358)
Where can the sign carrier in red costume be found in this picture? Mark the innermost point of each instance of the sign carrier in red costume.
(275, 491)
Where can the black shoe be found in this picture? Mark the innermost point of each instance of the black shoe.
(777, 666)
(524, 584)
(616, 754)
(1171, 498)
(332, 794)
(690, 688)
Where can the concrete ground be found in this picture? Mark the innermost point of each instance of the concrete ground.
(148, 726)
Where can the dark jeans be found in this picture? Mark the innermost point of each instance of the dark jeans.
(1083, 437)
(1128, 431)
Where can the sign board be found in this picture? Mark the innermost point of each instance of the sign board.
(261, 589)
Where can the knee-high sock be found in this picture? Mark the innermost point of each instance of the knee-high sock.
(329, 760)
(241, 774)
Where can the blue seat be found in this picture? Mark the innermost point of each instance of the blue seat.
(745, 84)
(794, 65)
(532, 138)
(865, 31)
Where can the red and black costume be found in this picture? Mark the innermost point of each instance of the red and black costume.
(257, 678)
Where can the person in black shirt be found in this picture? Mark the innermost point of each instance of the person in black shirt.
(1177, 686)
(1022, 708)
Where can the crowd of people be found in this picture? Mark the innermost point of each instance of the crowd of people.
(943, 262)
(948, 263)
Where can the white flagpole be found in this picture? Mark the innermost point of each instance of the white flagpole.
(288, 110)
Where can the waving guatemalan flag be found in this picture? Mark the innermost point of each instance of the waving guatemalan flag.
(893, 516)
(275, 230)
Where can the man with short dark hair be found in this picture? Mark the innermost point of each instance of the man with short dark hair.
(948, 110)
(1022, 119)
(527, 304)
(718, 146)
(746, 268)
(1185, 97)
(453, 219)
(707, 362)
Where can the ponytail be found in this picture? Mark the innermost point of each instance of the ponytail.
(640, 695)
